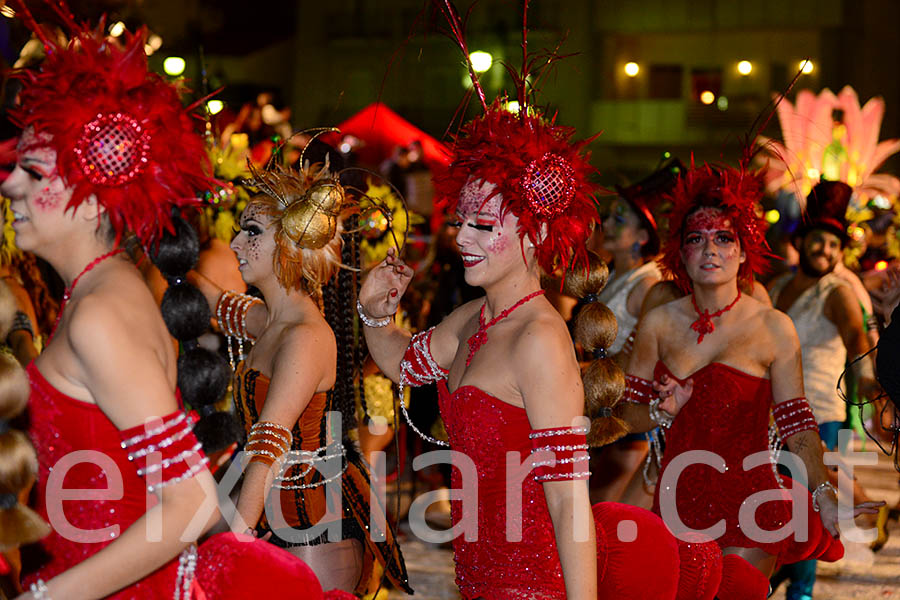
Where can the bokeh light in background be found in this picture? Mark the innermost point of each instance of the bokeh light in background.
(632, 69)
(707, 97)
(174, 66)
(481, 61)
(745, 67)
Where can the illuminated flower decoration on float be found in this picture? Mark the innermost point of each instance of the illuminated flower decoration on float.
(818, 147)
(540, 171)
(127, 140)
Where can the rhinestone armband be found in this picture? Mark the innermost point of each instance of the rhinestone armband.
(559, 454)
(166, 454)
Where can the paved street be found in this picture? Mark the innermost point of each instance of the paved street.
(859, 576)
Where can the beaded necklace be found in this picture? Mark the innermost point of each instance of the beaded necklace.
(480, 336)
(68, 291)
(704, 325)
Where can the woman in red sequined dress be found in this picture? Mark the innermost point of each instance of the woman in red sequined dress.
(718, 362)
(507, 375)
(107, 148)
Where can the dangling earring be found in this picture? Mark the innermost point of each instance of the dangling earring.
(636, 249)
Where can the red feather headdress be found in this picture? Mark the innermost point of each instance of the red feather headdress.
(737, 192)
(120, 131)
(540, 171)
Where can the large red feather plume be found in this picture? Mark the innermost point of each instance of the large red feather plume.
(504, 148)
(735, 191)
(94, 86)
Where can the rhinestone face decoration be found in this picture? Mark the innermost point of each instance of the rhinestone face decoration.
(549, 185)
(113, 149)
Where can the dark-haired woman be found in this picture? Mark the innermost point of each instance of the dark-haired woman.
(629, 234)
(302, 473)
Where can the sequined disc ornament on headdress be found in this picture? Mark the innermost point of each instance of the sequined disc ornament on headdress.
(120, 131)
(540, 171)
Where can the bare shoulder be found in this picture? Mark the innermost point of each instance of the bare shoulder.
(117, 310)
(779, 325)
(660, 293)
(312, 337)
(665, 314)
(542, 339)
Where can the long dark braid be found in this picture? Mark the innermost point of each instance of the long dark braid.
(202, 374)
(339, 297)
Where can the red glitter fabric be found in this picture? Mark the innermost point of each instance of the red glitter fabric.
(541, 173)
(61, 425)
(728, 414)
(485, 429)
(492, 567)
(738, 193)
(120, 131)
(229, 567)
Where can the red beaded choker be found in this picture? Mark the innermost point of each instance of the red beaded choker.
(704, 325)
(68, 291)
(480, 336)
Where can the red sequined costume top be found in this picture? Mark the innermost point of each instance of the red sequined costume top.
(304, 507)
(60, 425)
(485, 429)
(728, 415)
(226, 566)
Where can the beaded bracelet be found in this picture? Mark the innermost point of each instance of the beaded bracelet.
(39, 590)
(231, 312)
(371, 321)
(819, 490)
(660, 417)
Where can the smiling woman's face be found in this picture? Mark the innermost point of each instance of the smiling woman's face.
(711, 250)
(488, 240)
(38, 195)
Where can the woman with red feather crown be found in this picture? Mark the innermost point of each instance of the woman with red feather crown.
(508, 380)
(709, 368)
(108, 151)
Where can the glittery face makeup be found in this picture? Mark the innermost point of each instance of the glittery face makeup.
(710, 248)
(486, 239)
(254, 245)
(38, 195)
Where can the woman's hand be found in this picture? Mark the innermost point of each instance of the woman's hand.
(673, 395)
(830, 515)
(384, 286)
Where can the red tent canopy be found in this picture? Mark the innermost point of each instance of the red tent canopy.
(382, 130)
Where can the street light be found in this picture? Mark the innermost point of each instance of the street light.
(481, 61)
(174, 66)
(745, 67)
(632, 69)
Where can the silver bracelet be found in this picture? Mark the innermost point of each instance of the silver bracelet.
(39, 590)
(371, 321)
(660, 417)
(819, 490)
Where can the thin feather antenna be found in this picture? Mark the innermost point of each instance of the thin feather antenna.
(751, 148)
(457, 29)
(33, 25)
